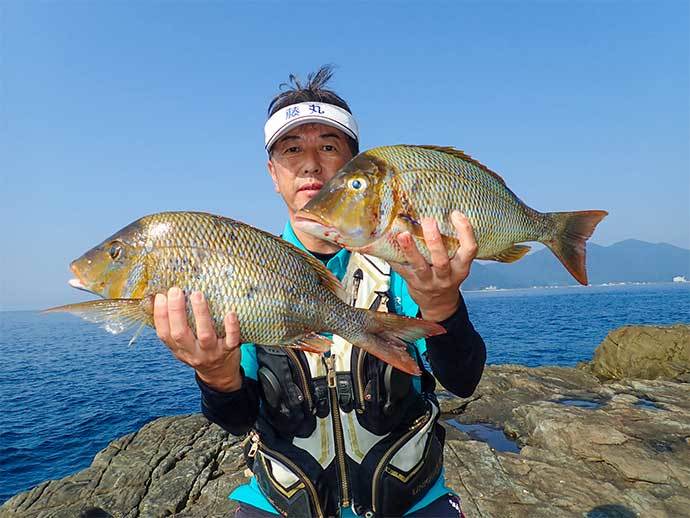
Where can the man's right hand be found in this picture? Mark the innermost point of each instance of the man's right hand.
(215, 360)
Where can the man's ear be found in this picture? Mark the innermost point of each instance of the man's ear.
(272, 172)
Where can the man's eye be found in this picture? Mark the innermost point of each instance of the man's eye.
(293, 149)
(328, 147)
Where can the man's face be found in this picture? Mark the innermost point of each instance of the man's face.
(304, 159)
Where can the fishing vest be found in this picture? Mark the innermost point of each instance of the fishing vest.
(344, 430)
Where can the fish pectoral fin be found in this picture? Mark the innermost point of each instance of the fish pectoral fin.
(411, 225)
(414, 227)
(510, 254)
(313, 343)
(114, 315)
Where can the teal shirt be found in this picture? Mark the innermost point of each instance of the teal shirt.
(404, 305)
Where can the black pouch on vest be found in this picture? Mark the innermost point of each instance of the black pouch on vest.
(284, 389)
(384, 396)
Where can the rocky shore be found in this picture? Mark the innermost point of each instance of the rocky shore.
(610, 438)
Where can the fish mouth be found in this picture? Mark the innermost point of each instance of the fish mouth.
(77, 282)
(316, 226)
(305, 215)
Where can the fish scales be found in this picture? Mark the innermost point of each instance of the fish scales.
(388, 190)
(282, 296)
(436, 183)
(219, 251)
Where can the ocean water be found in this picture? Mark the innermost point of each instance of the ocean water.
(68, 388)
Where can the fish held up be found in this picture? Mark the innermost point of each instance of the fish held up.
(388, 190)
(282, 296)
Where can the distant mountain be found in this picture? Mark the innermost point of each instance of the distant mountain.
(626, 261)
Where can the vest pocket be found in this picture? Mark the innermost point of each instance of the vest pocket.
(407, 466)
(382, 394)
(285, 485)
(286, 391)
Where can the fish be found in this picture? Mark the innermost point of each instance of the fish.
(387, 190)
(282, 296)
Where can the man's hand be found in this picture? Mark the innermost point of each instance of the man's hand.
(216, 360)
(435, 287)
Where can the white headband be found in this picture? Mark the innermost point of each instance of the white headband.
(294, 115)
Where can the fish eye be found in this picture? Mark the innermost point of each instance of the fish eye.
(356, 184)
(115, 251)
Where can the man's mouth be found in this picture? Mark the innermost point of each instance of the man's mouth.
(315, 186)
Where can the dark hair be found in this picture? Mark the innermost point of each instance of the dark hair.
(313, 90)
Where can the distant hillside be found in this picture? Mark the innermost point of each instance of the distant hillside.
(626, 261)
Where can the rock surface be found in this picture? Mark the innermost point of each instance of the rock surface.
(588, 447)
(647, 352)
(623, 451)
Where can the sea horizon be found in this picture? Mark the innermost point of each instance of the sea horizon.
(491, 289)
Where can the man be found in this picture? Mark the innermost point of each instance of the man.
(343, 433)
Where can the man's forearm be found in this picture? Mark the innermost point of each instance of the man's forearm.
(234, 411)
(457, 358)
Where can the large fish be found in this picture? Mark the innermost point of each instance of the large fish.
(388, 190)
(282, 296)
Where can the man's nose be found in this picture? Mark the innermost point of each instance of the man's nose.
(312, 164)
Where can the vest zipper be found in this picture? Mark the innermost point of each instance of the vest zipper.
(259, 446)
(359, 377)
(303, 377)
(338, 432)
(416, 425)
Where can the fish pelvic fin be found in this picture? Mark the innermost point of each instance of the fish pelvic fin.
(114, 315)
(510, 254)
(573, 229)
(386, 336)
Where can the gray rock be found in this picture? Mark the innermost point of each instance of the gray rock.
(646, 352)
(628, 454)
(590, 447)
(180, 465)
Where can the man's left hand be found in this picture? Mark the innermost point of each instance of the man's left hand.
(435, 287)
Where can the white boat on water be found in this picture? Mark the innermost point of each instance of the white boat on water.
(680, 278)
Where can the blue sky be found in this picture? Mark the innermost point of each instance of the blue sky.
(113, 110)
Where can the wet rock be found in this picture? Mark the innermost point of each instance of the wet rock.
(646, 352)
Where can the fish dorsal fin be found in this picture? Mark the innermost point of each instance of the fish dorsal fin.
(464, 156)
(326, 277)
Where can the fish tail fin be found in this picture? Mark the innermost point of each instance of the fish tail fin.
(114, 315)
(386, 336)
(573, 229)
